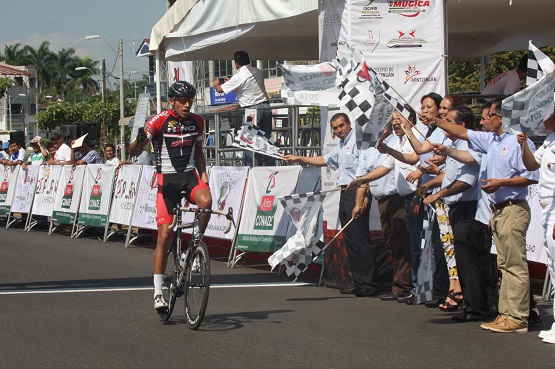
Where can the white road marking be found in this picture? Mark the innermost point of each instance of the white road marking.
(125, 289)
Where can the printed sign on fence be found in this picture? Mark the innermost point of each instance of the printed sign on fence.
(263, 224)
(227, 185)
(25, 190)
(8, 180)
(144, 214)
(125, 194)
(96, 195)
(46, 189)
(69, 194)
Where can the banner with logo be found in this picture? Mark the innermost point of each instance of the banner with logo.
(8, 178)
(144, 213)
(46, 189)
(404, 41)
(25, 190)
(125, 194)
(227, 186)
(68, 196)
(309, 84)
(263, 224)
(96, 195)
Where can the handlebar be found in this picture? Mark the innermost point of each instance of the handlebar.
(228, 215)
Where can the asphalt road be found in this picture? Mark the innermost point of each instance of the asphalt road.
(68, 303)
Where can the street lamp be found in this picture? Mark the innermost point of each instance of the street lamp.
(121, 102)
(10, 102)
(134, 83)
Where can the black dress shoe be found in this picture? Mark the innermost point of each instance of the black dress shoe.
(392, 296)
(365, 293)
(407, 299)
(464, 317)
(433, 303)
(348, 291)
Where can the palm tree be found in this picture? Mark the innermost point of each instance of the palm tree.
(14, 54)
(83, 80)
(64, 64)
(41, 58)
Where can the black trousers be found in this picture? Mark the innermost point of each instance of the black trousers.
(468, 237)
(441, 274)
(361, 251)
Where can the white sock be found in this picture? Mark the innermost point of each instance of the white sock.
(158, 279)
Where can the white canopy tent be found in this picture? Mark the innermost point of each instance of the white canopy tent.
(288, 30)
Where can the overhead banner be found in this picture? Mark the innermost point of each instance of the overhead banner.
(68, 195)
(263, 224)
(8, 177)
(227, 186)
(404, 41)
(144, 213)
(46, 189)
(96, 195)
(125, 194)
(25, 190)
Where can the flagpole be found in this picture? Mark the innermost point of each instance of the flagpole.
(329, 243)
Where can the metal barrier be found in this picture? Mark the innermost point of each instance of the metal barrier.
(294, 133)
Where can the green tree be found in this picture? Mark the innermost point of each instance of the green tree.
(42, 59)
(83, 80)
(5, 84)
(64, 65)
(14, 54)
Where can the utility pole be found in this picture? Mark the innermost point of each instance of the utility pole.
(121, 103)
(103, 126)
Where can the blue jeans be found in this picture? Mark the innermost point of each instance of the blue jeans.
(414, 224)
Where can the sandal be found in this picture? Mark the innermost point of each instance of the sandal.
(456, 297)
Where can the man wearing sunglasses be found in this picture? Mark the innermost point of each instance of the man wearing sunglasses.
(177, 136)
(507, 187)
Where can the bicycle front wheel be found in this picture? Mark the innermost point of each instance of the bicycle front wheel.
(197, 286)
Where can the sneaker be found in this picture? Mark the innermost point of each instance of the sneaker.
(545, 334)
(160, 305)
(549, 339)
(498, 320)
(508, 326)
(534, 318)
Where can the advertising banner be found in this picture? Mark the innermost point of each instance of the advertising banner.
(144, 213)
(46, 189)
(227, 185)
(25, 190)
(8, 181)
(125, 194)
(68, 195)
(263, 224)
(96, 195)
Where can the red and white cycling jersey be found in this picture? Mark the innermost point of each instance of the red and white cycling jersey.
(174, 140)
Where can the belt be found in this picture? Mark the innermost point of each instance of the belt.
(262, 103)
(385, 198)
(501, 205)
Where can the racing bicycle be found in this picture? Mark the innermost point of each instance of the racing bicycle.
(188, 268)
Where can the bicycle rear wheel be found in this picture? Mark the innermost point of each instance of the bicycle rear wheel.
(197, 286)
(169, 285)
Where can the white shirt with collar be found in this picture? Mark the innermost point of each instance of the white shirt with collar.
(63, 153)
(402, 170)
(248, 84)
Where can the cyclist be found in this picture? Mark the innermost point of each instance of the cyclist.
(177, 136)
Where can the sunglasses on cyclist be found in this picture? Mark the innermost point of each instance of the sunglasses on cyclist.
(184, 100)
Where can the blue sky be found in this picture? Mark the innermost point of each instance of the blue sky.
(65, 23)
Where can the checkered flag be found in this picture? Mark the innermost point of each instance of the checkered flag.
(528, 108)
(404, 109)
(539, 65)
(425, 277)
(297, 263)
(251, 138)
(304, 210)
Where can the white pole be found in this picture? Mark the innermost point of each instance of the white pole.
(121, 102)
